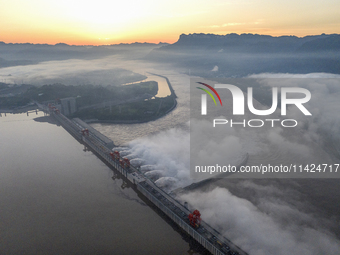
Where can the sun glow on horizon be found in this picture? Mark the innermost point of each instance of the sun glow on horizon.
(110, 22)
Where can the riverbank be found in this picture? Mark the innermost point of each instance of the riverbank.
(133, 121)
(25, 109)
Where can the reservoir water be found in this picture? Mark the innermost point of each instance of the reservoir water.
(57, 198)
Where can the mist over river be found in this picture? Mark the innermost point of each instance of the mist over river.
(294, 216)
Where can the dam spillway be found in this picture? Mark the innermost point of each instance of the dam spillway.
(102, 146)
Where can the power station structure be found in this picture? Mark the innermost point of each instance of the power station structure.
(68, 106)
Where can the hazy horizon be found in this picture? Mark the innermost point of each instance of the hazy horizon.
(164, 42)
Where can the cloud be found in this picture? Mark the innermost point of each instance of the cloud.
(261, 232)
(215, 69)
(322, 126)
(70, 72)
(225, 25)
(290, 76)
(263, 218)
(232, 24)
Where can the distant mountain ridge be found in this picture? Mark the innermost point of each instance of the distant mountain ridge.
(28, 53)
(211, 55)
(256, 42)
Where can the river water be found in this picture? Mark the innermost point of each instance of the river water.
(121, 134)
(163, 88)
(57, 198)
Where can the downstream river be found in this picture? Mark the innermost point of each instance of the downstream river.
(122, 134)
(163, 87)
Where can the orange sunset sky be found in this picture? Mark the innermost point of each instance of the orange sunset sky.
(99, 22)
